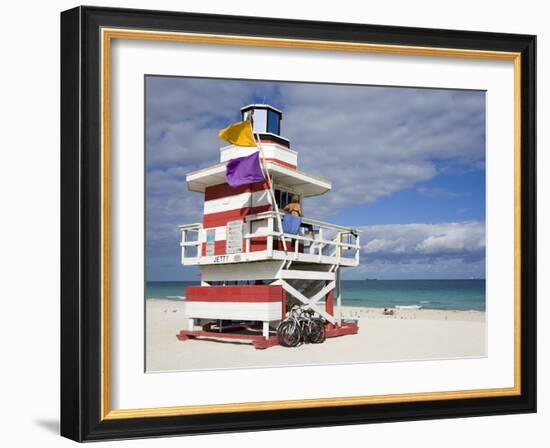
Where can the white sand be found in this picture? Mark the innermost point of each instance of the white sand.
(407, 335)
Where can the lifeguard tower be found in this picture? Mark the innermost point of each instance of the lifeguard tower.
(250, 277)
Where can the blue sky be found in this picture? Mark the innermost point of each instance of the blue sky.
(407, 167)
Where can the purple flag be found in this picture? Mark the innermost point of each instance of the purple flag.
(244, 170)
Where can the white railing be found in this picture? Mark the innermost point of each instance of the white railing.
(328, 243)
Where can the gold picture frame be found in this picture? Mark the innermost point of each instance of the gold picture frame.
(107, 26)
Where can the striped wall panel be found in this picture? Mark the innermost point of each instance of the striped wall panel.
(223, 190)
(236, 201)
(251, 302)
(256, 245)
(221, 219)
(235, 293)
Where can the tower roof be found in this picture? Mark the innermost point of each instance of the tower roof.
(261, 106)
(307, 184)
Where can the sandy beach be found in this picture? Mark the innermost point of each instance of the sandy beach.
(408, 334)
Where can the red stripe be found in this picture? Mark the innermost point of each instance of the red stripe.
(284, 145)
(280, 162)
(260, 243)
(256, 245)
(283, 316)
(219, 248)
(329, 304)
(221, 218)
(251, 293)
(223, 190)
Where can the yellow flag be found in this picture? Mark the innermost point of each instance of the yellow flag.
(239, 134)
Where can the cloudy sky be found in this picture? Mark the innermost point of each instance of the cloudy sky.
(407, 167)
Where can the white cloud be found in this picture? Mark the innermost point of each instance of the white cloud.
(372, 142)
(406, 242)
(439, 250)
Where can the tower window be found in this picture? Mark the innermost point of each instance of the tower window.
(273, 122)
(283, 197)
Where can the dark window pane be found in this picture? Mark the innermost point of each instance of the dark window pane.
(273, 122)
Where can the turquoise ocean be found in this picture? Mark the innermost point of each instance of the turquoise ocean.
(429, 294)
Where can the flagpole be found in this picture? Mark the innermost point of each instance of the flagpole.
(270, 184)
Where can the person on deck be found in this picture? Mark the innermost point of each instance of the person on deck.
(294, 208)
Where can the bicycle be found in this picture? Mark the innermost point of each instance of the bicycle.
(301, 327)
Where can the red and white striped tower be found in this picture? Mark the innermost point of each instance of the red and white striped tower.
(249, 277)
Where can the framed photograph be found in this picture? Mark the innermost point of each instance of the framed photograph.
(274, 223)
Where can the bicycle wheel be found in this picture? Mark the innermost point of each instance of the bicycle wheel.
(316, 333)
(289, 334)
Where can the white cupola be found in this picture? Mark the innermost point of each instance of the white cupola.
(265, 118)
